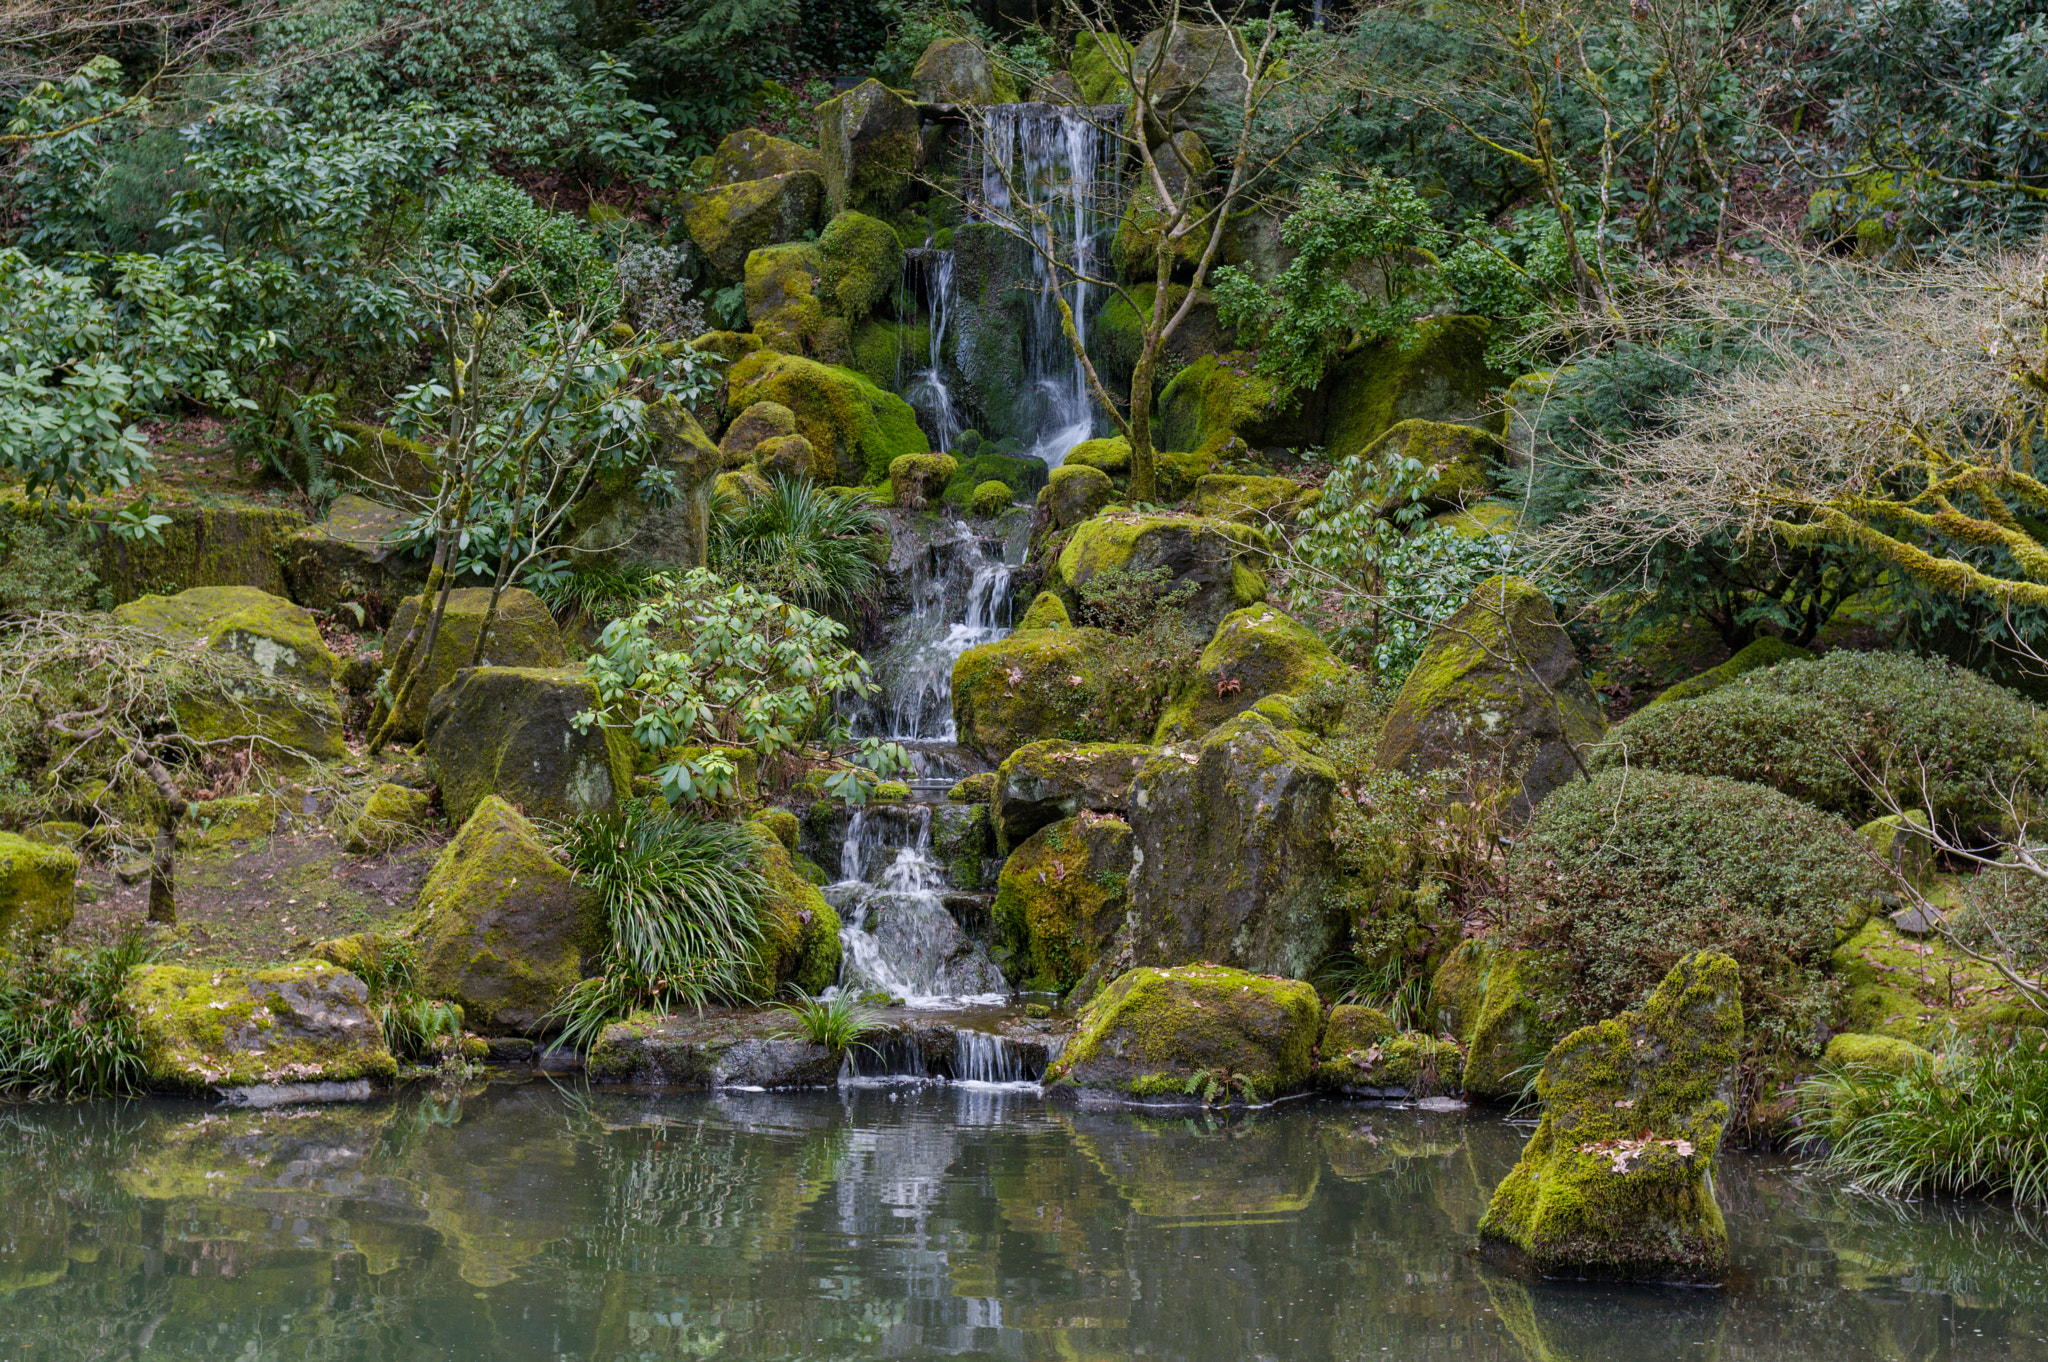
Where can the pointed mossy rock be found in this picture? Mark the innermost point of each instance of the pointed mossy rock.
(1464, 456)
(523, 634)
(1061, 898)
(284, 701)
(1046, 611)
(38, 885)
(1217, 558)
(861, 262)
(751, 154)
(1616, 1182)
(1760, 652)
(728, 222)
(350, 557)
(617, 523)
(1920, 991)
(1234, 857)
(857, 429)
(1194, 76)
(511, 732)
(1255, 653)
(1153, 1032)
(1497, 684)
(1031, 685)
(1246, 499)
(392, 815)
(1442, 375)
(213, 1027)
(868, 136)
(799, 930)
(958, 71)
(1073, 493)
(1043, 782)
(745, 432)
(786, 304)
(918, 480)
(505, 926)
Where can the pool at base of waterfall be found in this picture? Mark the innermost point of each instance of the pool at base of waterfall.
(524, 1222)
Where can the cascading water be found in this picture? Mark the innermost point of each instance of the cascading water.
(1042, 174)
(927, 389)
(897, 935)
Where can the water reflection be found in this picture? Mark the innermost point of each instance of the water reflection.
(897, 1221)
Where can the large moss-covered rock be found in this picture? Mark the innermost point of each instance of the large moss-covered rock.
(285, 703)
(762, 421)
(616, 522)
(1186, 166)
(1216, 558)
(214, 1027)
(1046, 611)
(1234, 856)
(1255, 653)
(1031, 685)
(524, 634)
(1505, 1032)
(958, 71)
(350, 559)
(511, 732)
(375, 459)
(37, 885)
(751, 154)
(1073, 493)
(731, 221)
(786, 304)
(505, 927)
(1442, 376)
(1043, 782)
(1195, 77)
(1219, 405)
(1464, 457)
(1617, 1180)
(918, 480)
(862, 262)
(1021, 473)
(799, 930)
(1873, 1056)
(1251, 500)
(857, 429)
(1062, 897)
(1116, 335)
(1498, 684)
(227, 543)
(869, 139)
(1761, 652)
(1095, 62)
(1920, 991)
(1157, 1035)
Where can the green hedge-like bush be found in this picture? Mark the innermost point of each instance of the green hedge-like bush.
(559, 256)
(1818, 730)
(1624, 874)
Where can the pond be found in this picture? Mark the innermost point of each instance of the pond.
(528, 1221)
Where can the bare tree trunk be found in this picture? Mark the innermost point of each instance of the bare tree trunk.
(163, 885)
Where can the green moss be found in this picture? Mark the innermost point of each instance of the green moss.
(1876, 1054)
(1442, 376)
(1919, 991)
(891, 791)
(990, 499)
(978, 788)
(1022, 474)
(751, 154)
(857, 429)
(216, 1027)
(1616, 1179)
(1900, 841)
(210, 543)
(1252, 500)
(1351, 1027)
(1365, 1056)
(868, 136)
(1464, 455)
(1255, 653)
(917, 480)
(1209, 554)
(1218, 407)
(788, 307)
(1152, 1030)
(862, 263)
(800, 931)
(279, 638)
(1479, 519)
(882, 350)
(1508, 1035)
(37, 885)
(730, 221)
(1074, 493)
(1093, 64)
(1111, 455)
(782, 824)
(1030, 685)
(223, 822)
(523, 634)
(1060, 898)
(1762, 652)
(1047, 611)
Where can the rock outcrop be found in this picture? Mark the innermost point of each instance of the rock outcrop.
(524, 634)
(857, 429)
(349, 560)
(511, 732)
(1213, 563)
(1616, 1181)
(1062, 897)
(1043, 782)
(1256, 653)
(217, 1027)
(868, 136)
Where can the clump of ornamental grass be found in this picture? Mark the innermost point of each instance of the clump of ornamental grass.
(64, 1030)
(816, 546)
(838, 1023)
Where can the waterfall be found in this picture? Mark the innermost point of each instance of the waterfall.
(897, 935)
(979, 1057)
(927, 389)
(1053, 158)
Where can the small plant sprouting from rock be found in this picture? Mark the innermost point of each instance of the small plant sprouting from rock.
(414, 1025)
(838, 1023)
(1216, 1086)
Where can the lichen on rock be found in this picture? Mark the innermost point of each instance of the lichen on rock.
(213, 1027)
(1062, 897)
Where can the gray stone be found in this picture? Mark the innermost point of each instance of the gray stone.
(511, 731)
(1043, 782)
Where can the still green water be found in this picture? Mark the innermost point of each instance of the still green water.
(528, 1222)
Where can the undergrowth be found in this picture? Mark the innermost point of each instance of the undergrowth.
(838, 1023)
(64, 1031)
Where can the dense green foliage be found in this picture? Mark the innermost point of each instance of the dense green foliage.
(554, 262)
(64, 1031)
(816, 546)
(681, 898)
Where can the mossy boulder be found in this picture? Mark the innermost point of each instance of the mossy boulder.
(862, 264)
(213, 1027)
(1247, 499)
(1235, 863)
(958, 71)
(350, 560)
(1920, 991)
(284, 702)
(1505, 1031)
(376, 459)
(918, 480)
(1219, 405)
(1075, 492)
(1876, 1055)
(787, 456)
(990, 499)
(751, 154)
(1255, 653)
(224, 822)
(616, 522)
(869, 137)
(523, 634)
(964, 841)
(393, 814)
(762, 421)
(857, 429)
(1062, 897)
(799, 930)
(1761, 652)
(1441, 376)
(1399, 1065)
(1094, 62)
(1497, 684)
(511, 732)
(505, 927)
(1022, 475)
(786, 304)
(38, 883)
(1464, 457)
(1218, 559)
(223, 543)
(978, 788)
(1617, 1180)
(1110, 456)
(1157, 1035)
(1195, 77)
(1901, 841)
(1043, 782)
(1034, 684)
(729, 222)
